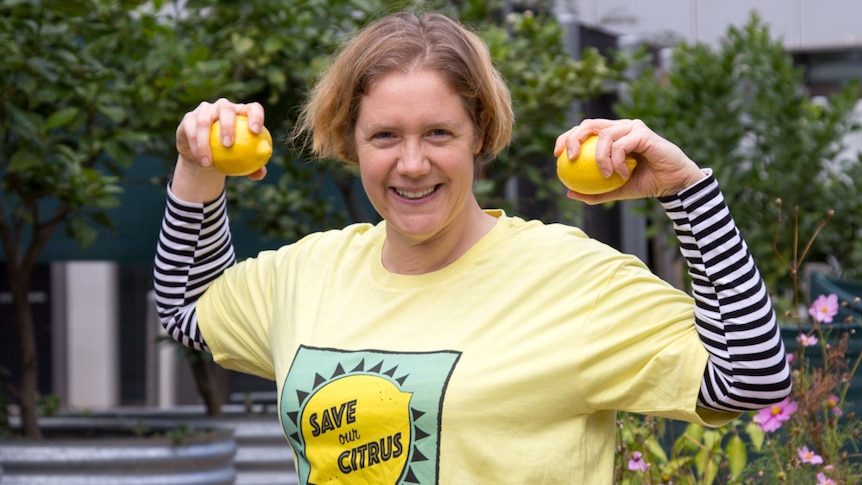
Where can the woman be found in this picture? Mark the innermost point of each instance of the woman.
(452, 344)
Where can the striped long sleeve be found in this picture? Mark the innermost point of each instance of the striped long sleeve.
(746, 370)
(194, 248)
(747, 367)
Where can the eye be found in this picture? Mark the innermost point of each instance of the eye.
(383, 135)
(439, 132)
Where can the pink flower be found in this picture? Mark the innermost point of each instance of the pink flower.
(824, 308)
(789, 357)
(822, 480)
(806, 340)
(772, 417)
(808, 456)
(832, 403)
(637, 462)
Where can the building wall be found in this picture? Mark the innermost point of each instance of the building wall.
(800, 23)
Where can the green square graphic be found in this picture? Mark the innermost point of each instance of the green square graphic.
(365, 416)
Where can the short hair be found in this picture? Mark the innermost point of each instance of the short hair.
(405, 42)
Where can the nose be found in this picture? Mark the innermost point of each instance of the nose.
(412, 160)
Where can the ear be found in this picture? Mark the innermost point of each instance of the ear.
(480, 133)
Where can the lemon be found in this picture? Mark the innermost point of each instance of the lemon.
(248, 153)
(583, 175)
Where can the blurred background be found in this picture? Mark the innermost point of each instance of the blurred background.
(92, 91)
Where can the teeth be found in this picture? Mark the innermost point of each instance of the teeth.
(414, 195)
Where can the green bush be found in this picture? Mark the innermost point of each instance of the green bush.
(743, 110)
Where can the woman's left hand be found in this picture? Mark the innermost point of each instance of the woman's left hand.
(663, 168)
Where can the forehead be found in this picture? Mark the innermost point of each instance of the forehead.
(410, 95)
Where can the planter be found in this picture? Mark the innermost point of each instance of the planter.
(97, 451)
(263, 456)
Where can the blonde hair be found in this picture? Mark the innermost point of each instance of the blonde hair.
(405, 42)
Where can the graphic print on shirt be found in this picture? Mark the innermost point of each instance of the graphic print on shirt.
(365, 416)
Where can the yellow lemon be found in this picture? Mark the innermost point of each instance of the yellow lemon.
(583, 175)
(248, 153)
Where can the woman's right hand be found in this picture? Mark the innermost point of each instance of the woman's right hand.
(195, 179)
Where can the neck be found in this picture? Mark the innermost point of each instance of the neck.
(405, 256)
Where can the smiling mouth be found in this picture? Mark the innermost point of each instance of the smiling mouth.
(413, 195)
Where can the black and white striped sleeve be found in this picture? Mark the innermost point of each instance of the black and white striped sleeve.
(194, 248)
(747, 367)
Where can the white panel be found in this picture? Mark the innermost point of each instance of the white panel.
(92, 334)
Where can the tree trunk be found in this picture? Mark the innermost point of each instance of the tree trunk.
(19, 269)
(25, 394)
(209, 379)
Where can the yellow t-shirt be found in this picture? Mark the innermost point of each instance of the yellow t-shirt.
(507, 366)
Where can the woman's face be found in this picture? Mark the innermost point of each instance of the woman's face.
(416, 144)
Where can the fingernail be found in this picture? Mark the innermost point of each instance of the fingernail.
(568, 154)
(255, 128)
(205, 161)
(225, 140)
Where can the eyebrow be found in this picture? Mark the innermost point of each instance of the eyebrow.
(442, 123)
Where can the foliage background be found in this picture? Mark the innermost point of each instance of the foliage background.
(90, 88)
(743, 110)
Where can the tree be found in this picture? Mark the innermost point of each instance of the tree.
(743, 110)
(80, 95)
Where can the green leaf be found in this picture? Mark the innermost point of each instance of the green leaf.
(756, 435)
(242, 44)
(114, 113)
(81, 232)
(273, 43)
(656, 449)
(25, 123)
(101, 218)
(62, 117)
(712, 439)
(44, 68)
(23, 160)
(736, 455)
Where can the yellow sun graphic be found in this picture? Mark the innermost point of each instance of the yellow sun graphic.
(359, 426)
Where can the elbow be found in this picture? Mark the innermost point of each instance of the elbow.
(778, 392)
(175, 332)
(777, 389)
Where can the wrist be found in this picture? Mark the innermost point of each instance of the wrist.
(689, 179)
(194, 183)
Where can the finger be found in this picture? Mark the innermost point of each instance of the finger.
(259, 174)
(227, 122)
(200, 134)
(604, 144)
(225, 113)
(189, 126)
(588, 199)
(560, 143)
(618, 158)
(255, 114)
(615, 144)
(571, 142)
(183, 135)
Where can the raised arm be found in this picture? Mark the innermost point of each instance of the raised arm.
(747, 368)
(194, 244)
